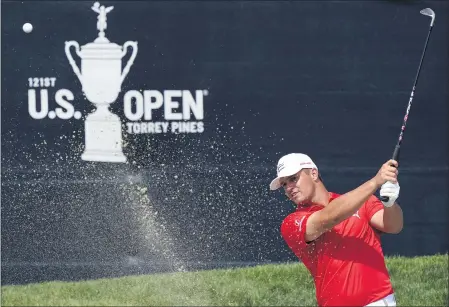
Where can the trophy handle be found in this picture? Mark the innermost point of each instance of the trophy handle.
(131, 59)
(70, 58)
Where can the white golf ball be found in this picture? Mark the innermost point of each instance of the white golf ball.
(27, 28)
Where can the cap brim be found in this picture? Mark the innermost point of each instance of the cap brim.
(275, 184)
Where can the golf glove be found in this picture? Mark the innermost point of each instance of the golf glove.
(391, 190)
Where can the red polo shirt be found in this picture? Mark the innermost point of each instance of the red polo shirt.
(347, 262)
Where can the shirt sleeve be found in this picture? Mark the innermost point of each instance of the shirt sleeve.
(293, 230)
(371, 206)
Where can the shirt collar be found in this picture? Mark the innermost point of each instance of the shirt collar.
(332, 196)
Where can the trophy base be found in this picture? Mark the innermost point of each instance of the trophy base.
(101, 156)
(103, 137)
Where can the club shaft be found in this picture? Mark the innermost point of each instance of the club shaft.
(398, 145)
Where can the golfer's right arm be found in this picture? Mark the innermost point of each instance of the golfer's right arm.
(347, 204)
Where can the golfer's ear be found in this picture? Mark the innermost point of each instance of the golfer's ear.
(314, 174)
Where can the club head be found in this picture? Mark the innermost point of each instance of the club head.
(429, 12)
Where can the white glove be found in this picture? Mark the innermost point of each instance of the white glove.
(391, 190)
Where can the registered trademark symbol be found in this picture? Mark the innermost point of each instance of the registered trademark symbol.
(205, 92)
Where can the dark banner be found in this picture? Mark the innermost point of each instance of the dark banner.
(141, 136)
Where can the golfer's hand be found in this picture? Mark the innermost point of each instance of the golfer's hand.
(388, 172)
(391, 190)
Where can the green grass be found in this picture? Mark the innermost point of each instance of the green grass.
(421, 281)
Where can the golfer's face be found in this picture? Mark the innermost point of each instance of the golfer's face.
(296, 187)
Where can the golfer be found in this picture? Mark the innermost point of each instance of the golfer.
(337, 237)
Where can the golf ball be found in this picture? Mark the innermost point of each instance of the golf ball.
(27, 27)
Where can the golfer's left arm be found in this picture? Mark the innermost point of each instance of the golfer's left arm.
(389, 219)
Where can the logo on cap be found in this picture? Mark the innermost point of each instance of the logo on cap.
(280, 167)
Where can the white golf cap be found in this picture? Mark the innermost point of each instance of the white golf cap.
(289, 165)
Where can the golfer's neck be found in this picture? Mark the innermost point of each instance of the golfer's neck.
(321, 196)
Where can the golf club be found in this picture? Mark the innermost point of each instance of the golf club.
(428, 12)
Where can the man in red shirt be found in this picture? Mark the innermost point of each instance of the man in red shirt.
(337, 237)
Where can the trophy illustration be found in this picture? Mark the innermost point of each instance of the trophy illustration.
(101, 79)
